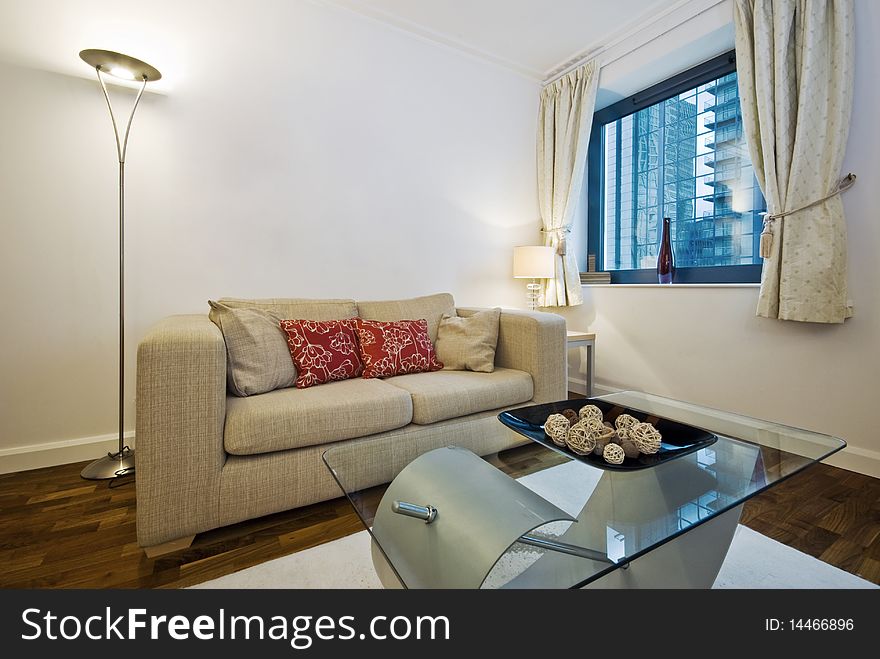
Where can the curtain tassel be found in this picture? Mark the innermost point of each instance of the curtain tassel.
(560, 234)
(767, 233)
(766, 238)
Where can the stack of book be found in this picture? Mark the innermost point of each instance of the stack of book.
(593, 277)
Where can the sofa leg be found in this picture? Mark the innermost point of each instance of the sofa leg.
(154, 551)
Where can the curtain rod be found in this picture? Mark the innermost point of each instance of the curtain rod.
(597, 52)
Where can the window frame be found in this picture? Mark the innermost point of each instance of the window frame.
(694, 77)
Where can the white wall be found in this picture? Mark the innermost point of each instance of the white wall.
(705, 345)
(307, 152)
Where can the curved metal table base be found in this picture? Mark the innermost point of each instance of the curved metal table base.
(692, 560)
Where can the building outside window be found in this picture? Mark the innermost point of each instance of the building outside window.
(676, 150)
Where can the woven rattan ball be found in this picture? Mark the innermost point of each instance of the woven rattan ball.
(581, 439)
(596, 426)
(571, 415)
(590, 413)
(629, 449)
(624, 423)
(556, 426)
(646, 438)
(613, 454)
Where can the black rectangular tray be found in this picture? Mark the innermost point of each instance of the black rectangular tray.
(678, 438)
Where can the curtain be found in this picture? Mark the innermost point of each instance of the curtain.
(795, 70)
(564, 120)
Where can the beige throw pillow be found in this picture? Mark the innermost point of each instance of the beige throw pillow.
(257, 357)
(468, 344)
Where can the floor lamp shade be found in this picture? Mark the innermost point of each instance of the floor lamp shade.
(534, 263)
(120, 463)
(119, 65)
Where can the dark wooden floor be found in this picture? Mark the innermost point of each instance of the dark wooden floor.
(826, 512)
(57, 530)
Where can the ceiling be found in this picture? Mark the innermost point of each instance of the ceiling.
(534, 37)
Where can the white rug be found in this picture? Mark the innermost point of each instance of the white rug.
(754, 561)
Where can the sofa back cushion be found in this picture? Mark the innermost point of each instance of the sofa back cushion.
(429, 307)
(298, 308)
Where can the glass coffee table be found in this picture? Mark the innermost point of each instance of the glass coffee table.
(539, 516)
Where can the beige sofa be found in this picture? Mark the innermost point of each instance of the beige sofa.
(206, 459)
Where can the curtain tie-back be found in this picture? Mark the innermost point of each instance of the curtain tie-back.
(767, 232)
(560, 234)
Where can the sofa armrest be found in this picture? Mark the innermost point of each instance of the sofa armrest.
(181, 408)
(533, 342)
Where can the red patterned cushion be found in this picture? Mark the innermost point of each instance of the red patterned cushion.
(395, 348)
(323, 351)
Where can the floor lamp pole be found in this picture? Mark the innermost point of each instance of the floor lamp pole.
(120, 463)
(122, 446)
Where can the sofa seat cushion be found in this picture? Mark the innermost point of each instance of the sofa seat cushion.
(448, 394)
(292, 418)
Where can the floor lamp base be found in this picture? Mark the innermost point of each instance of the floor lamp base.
(113, 465)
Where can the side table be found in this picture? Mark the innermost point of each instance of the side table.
(584, 340)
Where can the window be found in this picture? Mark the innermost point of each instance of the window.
(676, 150)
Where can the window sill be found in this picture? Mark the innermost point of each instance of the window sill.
(748, 285)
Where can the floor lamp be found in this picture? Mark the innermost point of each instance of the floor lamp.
(120, 463)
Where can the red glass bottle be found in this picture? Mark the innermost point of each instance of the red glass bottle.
(665, 259)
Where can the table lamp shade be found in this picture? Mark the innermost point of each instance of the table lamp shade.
(533, 262)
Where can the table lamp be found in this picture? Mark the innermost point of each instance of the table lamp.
(533, 262)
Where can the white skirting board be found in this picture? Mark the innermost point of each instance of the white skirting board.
(860, 460)
(579, 386)
(49, 454)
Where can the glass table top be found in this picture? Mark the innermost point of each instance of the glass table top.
(609, 517)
